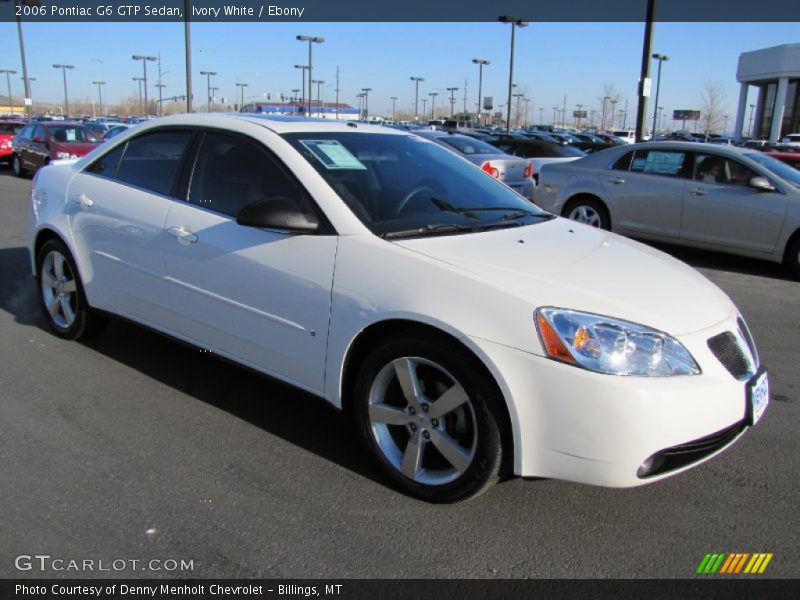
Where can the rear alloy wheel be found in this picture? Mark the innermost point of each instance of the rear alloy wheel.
(589, 212)
(424, 409)
(61, 295)
(17, 167)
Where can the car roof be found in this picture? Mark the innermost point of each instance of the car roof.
(691, 146)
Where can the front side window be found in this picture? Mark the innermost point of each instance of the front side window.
(712, 168)
(232, 172)
(151, 161)
(396, 184)
(624, 162)
(671, 163)
(107, 164)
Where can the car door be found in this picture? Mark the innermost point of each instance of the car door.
(645, 190)
(260, 296)
(722, 210)
(118, 206)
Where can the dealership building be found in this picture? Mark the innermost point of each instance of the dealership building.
(776, 73)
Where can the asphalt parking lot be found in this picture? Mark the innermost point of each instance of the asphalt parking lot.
(132, 446)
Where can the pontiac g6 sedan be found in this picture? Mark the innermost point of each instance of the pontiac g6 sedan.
(467, 332)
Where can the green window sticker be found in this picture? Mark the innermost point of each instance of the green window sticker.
(333, 155)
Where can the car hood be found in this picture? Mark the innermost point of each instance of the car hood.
(565, 264)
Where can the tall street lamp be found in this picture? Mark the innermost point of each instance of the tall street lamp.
(555, 112)
(452, 91)
(416, 81)
(660, 58)
(603, 119)
(394, 104)
(516, 109)
(433, 103)
(580, 106)
(366, 102)
(303, 69)
(27, 85)
(209, 75)
(8, 82)
(319, 83)
(160, 87)
(140, 80)
(311, 39)
(480, 62)
(64, 74)
(241, 87)
(424, 104)
(144, 60)
(99, 93)
(515, 22)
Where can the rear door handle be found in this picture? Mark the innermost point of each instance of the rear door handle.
(183, 236)
(81, 201)
(617, 180)
(699, 192)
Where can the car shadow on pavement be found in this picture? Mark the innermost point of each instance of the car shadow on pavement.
(293, 415)
(707, 259)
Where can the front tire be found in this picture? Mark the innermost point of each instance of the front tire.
(427, 411)
(61, 295)
(589, 212)
(16, 166)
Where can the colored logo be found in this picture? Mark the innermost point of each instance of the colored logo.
(734, 563)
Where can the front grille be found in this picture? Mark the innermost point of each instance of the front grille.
(727, 348)
(682, 455)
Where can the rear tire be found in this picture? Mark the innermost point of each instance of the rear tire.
(427, 411)
(61, 296)
(16, 166)
(589, 212)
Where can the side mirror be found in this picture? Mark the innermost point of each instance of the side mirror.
(761, 184)
(277, 212)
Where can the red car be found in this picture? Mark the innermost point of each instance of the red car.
(39, 143)
(8, 129)
(790, 158)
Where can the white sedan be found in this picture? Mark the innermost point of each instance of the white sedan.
(469, 333)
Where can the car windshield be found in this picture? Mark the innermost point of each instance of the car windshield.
(71, 134)
(403, 184)
(10, 127)
(468, 145)
(781, 169)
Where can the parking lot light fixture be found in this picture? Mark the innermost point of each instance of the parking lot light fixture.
(433, 103)
(209, 75)
(603, 119)
(416, 81)
(64, 75)
(515, 22)
(139, 79)
(99, 85)
(241, 87)
(480, 62)
(311, 39)
(394, 105)
(555, 115)
(660, 58)
(145, 60)
(452, 91)
(366, 102)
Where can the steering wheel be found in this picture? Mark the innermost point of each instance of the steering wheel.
(407, 198)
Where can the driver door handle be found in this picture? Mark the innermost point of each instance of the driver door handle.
(81, 201)
(617, 180)
(184, 237)
(699, 192)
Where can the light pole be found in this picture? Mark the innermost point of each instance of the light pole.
(525, 114)
(580, 106)
(99, 93)
(416, 81)
(660, 58)
(25, 79)
(515, 22)
(319, 83)
(541, 115)
(555, 112)
(433, 103)
(139, 79)
(603, 120)
(8, 82)
(241, 87)
(213, 91)
(144, 60)
(209, 75)
(160, 87)
(28, 86)
(424, 104)
(452, 91)
(311, 39)
(366, 102)
(303, 69)
(394, 104)
(480, 62)
(750, 127)
(64, 74)
(517, 96)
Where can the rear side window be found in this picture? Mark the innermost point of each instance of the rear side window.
(624, 162)
(106, 165)
(232, 172)
(151, 161)
(672, 163)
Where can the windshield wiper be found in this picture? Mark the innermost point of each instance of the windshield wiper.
(442, 229)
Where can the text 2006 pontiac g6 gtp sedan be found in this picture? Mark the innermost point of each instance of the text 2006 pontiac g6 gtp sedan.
(467, 331)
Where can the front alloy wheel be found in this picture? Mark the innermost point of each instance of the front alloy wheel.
(423, 409)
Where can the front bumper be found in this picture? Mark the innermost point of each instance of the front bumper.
(577, 425)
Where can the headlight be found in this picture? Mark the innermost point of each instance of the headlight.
(607, 345)
(63, 155)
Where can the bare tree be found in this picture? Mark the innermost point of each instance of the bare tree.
(712, 106)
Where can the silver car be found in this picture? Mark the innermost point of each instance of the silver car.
(721, 198)
(516, 173)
